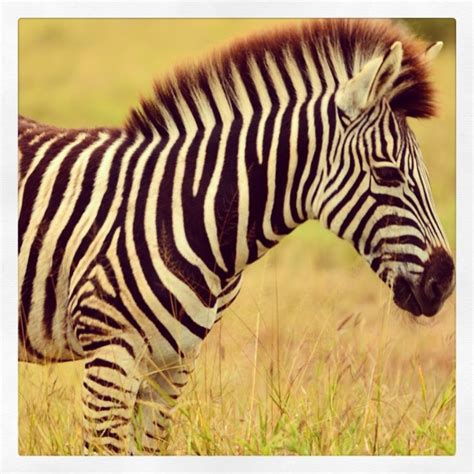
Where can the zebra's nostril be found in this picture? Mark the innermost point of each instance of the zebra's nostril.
(436, 290)
(433, 290)
(439, 278)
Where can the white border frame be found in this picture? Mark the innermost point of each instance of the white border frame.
(461, 11)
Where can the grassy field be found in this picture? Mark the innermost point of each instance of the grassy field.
(312, 358)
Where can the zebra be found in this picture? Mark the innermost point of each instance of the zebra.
(133, 240)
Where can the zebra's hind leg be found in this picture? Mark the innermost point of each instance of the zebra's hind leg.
(157, 397)
(110, 389)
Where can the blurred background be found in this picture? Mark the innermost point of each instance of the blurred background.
(312, 358)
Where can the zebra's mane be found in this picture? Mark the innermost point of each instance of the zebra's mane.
(351, 41)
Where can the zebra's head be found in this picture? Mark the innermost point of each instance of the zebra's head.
(380, 192)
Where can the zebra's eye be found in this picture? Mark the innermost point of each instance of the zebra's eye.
(388, 176)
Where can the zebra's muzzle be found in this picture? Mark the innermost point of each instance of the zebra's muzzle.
(435, 286)
(404, 296)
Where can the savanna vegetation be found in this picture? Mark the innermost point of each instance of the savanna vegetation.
(313, 357)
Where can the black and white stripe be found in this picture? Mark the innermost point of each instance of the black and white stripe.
(132, 241)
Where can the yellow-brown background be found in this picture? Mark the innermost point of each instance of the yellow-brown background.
(312, 358)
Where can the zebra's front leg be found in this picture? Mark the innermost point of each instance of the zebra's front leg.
(156, 400)
(110, 390)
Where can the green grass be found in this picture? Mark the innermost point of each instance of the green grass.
(312, 358)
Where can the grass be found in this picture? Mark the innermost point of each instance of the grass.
(312, 358)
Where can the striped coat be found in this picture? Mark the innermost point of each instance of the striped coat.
(132, 241)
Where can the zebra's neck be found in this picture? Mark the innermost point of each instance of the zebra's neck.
(248, 166)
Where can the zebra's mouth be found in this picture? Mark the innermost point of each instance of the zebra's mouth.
(405, 297)
(428, 294)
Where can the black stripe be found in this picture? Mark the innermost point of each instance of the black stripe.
(99, 409)
(106, 383)
(152, 436)
(99, 362)
(115, 341)
(231, 287)
(82, 330)
(356, 238)
(403, 257)
(400, 240)
(113, 448)
(100, 316)
(345, 199)
(282, 157)
(355, 208)
(386, 221)
(108, 433)
(319, 125)
(304, 129)
(104, 397)
(177, 310)
(106, 418)
(157, 423)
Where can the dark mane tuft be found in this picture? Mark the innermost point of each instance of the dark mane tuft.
(412, 94)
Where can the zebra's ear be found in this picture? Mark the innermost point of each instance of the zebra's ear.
(433, 50)
(371, 83)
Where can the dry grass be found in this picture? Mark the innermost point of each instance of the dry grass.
(312, 358)
(297, 366)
